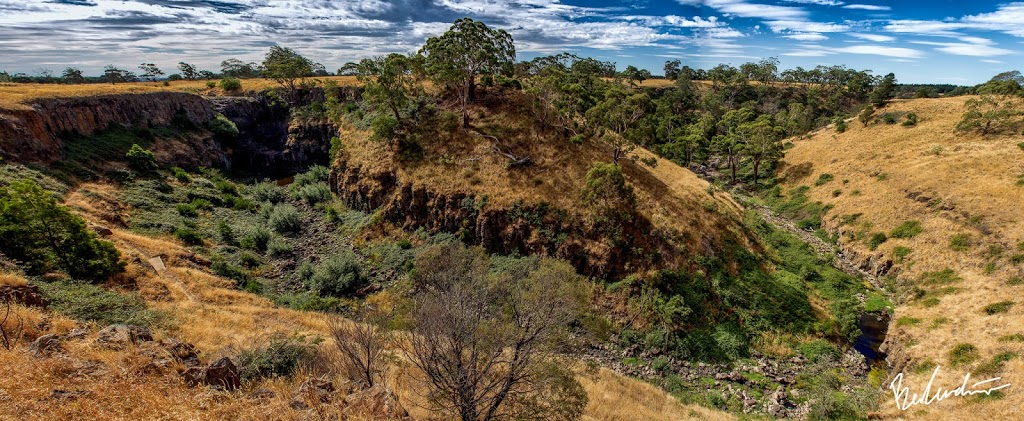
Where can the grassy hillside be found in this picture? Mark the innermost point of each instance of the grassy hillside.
(945, 209)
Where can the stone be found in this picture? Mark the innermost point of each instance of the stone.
(102, 231)
(377, 402)
(46, 345)
(119, 336)
(223, 374)
(182, 352)
(318, 390)
(26, 295)
(76, 334)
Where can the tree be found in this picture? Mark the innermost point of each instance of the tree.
(865, 114)
(285, 67)
(234, 67)
(349, 69)
(150, 71)
(618, 113)
(735, 132)
(486, 342)
(634, 75)
(389, 81)
(467, 50)
(115, 75)
(46, 236)
(609, 197)
(362, 343)
(762, 144)
(672, 69)
(188, 71)
(991, 115)
(885, 91)
(72, 75)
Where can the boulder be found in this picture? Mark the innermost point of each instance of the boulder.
(377, 402)
(182, 352)
(222, 374)
(119, 336)
(46, 345)
(26, 295)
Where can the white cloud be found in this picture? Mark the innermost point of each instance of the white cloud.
(967, 49)
(881, 50)
(806, 37)
(872, 37)
(870, 7)
(744, 9)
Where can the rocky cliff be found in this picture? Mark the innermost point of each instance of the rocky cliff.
(34, 135)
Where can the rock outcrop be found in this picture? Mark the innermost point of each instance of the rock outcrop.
(34, 135)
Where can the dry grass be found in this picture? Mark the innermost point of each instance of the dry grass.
(7, 279)
(17, 95)
(210, 313)
(968, 185)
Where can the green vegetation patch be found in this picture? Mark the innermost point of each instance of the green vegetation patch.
(96, 304)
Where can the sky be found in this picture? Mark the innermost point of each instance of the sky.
(921, 41)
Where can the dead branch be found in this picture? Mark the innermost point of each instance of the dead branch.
(9, 336)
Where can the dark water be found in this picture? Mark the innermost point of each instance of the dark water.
(873, 328)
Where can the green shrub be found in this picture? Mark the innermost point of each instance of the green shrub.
(187, 210)
(181, 175)
(661, 364)
(279, 247)
(337, 276)
(960, 242)
(942, 277)
(222, 127)
(908, 321)
(315, 174)
(223, 268)
(189, 236)
(1015, 281)
(250, 260)
(45, 236)
(95, 304)
(1021, 146)
(313, 193)
(907, 229)
(281, 357)
(890, 118)
(226, 233)
(1016, 337)
(996, 308)
(823, 179)
(962, 354)
(900, 253)
(258, 239)
(268, 192)
(995, 365)
(911, 120)
(141, 159)
(818, 350)
(285, 219)
(211, 84)
(230, 84)
(876, 240)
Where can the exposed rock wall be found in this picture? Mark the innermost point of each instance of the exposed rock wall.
(34, 135)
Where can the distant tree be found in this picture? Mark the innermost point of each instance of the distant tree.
(389, 81)
(633, 75)
(116, 75)
(234, 67)
(5, 77)
(609, 197)
(349, 69)
(487, 344)
(188, 71)
(207, 75)
(865, 114)
(1005, 83)
(467, 50)
(72, 75)
(285, 66)
(672, 69)
(991, 114)
(150, 71)
(735, 132)
(763, 141)
(619, 112)
(885, 91)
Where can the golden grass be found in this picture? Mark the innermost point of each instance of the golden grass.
(15, 96)
(970, 185)
(210, 313)
(12, 280)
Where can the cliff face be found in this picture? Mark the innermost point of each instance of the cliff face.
(34, 135)
(524, 228)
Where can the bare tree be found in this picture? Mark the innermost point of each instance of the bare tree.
(362, 343)
(484, 341)
(10, 333)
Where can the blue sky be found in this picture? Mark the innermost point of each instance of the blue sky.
(938, 41)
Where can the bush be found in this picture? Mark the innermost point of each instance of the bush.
(279, 247)
(911, 120)
(889, 118)
(285, 219)
(960, 242)
(181, 175)
(267, 192)
(337, 276)
(258, 239)
(313, 193)
(44, 236)
(818, 350)
(962, 354)
(222, 127)
(226, 233)
(315, 174)
(230, 84)
(279, 358)
(223, 268)
(95, 304)
(141, 159)
(824, 178)
(187, 210)
(908, 229)
(211, 84)
(900, 253)
(1000, 307)
(876, 240)
(189, 236)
